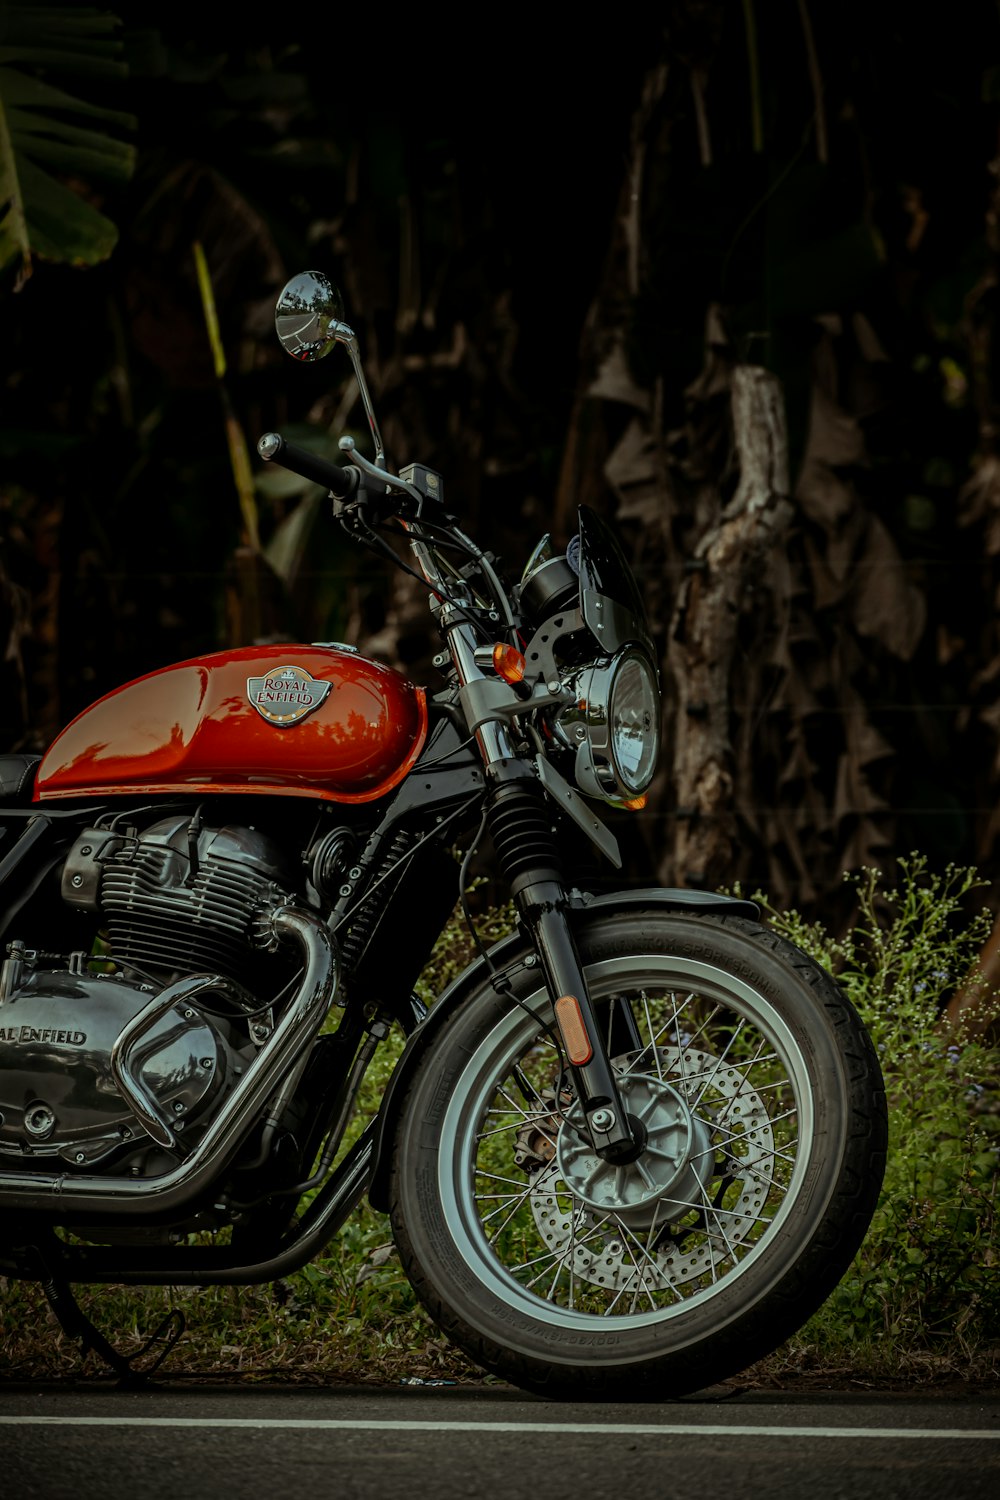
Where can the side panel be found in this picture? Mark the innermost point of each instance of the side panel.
(349, 731)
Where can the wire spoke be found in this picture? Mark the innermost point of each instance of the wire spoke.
(629, 1234)
(517, 1205)
(771, 1182)
(713, 1085)
(718, 1066)
(495, 1177)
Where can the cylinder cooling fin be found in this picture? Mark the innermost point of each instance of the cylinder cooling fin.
(177, 901)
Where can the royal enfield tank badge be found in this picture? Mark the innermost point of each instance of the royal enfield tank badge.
(286, 695)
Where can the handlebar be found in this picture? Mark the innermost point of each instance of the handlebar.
(341, 482)
(385, 495)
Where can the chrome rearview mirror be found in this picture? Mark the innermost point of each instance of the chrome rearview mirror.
(308, 316)
(308, 319)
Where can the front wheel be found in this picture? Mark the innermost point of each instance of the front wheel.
(764, 1108)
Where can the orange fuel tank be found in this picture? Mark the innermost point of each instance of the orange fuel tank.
(308, 721)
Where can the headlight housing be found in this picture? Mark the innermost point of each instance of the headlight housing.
(614, 725)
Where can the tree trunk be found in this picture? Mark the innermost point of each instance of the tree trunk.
(702, 634)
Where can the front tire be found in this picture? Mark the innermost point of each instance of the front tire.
(765, 1112)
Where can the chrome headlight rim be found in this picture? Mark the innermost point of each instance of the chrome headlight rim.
(591, 727)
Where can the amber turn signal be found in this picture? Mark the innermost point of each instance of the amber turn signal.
(508, 662)
(573, 1030)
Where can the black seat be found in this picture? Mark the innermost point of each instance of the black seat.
(17, 777)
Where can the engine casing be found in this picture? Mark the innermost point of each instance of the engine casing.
(58, 1094)
(174, 901)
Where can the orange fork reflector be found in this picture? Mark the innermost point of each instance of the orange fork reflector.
(508, 662)
(573, 1031)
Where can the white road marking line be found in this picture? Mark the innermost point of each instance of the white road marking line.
(623, 1429)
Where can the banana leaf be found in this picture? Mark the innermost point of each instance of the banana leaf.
(49, 158)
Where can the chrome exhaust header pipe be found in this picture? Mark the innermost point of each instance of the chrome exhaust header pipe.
(31, 1192)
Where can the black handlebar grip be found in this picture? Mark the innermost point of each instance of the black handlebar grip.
(340, 482)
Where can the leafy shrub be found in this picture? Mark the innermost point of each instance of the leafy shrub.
(924, 1290)
(922, 1296)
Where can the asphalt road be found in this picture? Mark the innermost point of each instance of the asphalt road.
(193, 1442)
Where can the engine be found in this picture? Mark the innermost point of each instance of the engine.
(108, 1055)
(177, 899)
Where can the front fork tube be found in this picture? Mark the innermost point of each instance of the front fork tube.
(617, 1136)
(520, 825)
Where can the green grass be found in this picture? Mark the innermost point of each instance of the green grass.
(921, 1302)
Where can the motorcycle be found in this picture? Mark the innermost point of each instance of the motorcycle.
(625, 1153)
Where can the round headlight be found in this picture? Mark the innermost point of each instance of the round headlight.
(634, 722)
(614, 726)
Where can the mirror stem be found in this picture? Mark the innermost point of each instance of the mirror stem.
(346, 336)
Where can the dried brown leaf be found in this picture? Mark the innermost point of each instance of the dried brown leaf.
(614, 381)
(635, 472)
(886, 605)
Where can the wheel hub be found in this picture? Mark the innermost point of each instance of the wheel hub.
(677, 1160)
(573, 1198)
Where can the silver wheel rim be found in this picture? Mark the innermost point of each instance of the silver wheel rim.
(723, 1088)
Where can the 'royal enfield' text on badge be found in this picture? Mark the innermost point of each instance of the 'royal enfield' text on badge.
(42, 1034)
(286, 695)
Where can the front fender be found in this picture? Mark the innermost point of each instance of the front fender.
(509, 953)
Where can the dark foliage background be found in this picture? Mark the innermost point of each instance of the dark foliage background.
(559, 243)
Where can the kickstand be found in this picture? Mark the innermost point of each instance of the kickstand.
(77, 1325)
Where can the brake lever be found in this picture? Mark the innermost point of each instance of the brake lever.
(391, 482)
